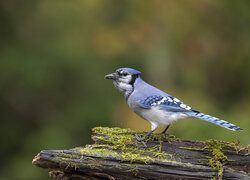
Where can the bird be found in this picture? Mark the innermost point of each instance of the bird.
(154, 105)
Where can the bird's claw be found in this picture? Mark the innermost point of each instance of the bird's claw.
(141, 139)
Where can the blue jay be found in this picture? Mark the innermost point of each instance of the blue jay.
(154, 105)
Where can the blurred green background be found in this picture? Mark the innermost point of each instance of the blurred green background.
(54, 55)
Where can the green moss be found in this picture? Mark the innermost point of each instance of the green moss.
(218, 157)
(131, 168)
(245, 149)
(117, 137)
(90, 151)
(214, 178)
(217, 149)
(193, 149)
(115, 130)
(122, 138)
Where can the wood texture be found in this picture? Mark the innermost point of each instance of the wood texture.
(117, 155)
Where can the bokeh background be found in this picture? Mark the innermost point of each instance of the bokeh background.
(54, 55)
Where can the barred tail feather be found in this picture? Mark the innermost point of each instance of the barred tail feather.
(214, 120)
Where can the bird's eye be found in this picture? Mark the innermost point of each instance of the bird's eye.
(122, 73)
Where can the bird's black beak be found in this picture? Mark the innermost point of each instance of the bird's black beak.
(110, 76)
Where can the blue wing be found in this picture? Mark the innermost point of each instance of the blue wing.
(168, 103)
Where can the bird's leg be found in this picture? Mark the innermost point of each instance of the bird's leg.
(141, 139)
(163, 132)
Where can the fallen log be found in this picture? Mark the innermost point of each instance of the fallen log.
(117, 155)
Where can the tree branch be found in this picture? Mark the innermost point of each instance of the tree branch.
(117, 155)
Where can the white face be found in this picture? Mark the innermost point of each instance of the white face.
(123, 81)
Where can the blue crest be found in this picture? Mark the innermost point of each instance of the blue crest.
(130, 70)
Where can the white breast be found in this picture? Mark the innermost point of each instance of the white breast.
(160, 117)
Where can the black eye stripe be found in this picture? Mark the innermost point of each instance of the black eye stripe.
(122, 73)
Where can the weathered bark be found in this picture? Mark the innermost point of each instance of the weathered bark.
(117, 155)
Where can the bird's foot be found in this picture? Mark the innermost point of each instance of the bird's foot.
(141, 139)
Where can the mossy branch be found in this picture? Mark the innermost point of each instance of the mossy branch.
(117, 155)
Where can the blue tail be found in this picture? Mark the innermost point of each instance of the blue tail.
(214, 120)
